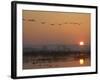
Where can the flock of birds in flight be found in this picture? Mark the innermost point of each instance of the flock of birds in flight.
(43, 22)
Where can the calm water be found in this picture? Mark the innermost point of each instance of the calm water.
(39, 61)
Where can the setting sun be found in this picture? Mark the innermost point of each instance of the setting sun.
(81, 43)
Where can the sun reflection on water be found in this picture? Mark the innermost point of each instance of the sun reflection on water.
(81, 61)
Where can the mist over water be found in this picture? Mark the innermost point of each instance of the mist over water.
(57, 48)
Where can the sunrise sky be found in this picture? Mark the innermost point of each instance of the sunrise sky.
(45, 27)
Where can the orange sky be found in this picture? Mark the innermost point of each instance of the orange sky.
(42, 27)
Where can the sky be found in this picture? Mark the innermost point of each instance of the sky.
(46, 27)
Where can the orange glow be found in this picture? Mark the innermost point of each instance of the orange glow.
(81, 43)
(74, 27)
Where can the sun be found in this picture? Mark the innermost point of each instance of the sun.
(81, 43)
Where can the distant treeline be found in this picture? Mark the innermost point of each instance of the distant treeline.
(54, 53)
(65, 48)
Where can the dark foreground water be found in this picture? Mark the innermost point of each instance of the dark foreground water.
(55, 60)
